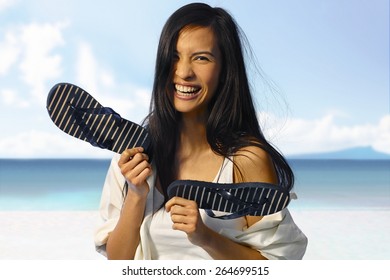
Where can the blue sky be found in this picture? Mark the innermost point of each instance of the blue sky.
(327, 62)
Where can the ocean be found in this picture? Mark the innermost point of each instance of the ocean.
(76, 184)
(51, 184)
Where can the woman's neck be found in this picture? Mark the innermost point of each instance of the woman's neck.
(193, 138)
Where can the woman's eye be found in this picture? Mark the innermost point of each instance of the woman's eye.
(202, 58)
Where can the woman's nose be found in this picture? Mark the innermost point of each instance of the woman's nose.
(184, 70)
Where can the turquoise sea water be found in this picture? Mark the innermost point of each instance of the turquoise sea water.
(58, 184)
(51, 184)
(342, 184)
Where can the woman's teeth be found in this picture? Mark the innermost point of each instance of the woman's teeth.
(186, 90)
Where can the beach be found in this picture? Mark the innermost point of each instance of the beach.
(68, 235)
(48, 235)
(50, 213)
(345, 235)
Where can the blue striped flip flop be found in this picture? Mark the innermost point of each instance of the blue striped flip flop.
(240, 199)
(77, 113)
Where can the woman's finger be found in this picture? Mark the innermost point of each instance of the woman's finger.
(128, 154)
(134, 165)
(139, 173)
(180, 202)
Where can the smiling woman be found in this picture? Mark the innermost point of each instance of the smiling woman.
(203, 127)
(196, 70)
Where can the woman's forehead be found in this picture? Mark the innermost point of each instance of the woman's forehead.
(195, 38)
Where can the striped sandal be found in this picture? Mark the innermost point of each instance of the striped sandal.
(240, 199)
(78, 114)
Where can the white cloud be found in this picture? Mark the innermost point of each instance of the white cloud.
(5, 4)
(86, 68)
(32, 47)
(382, 143)
(9, 52)
(39, 63)
(301, 136)
(41, 144)
(10, 98)
(128, 100)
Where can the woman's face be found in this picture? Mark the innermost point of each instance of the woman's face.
(196, 70)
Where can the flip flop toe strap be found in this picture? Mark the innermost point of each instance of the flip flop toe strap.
(250, 208)
(82, 115)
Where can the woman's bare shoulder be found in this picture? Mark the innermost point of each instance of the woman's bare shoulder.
(253, 164)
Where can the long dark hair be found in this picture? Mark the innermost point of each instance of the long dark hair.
(232, 122)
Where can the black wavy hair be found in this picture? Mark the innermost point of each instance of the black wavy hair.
(232, 122)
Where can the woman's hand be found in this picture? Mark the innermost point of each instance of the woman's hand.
(186, 217)
(136, 169)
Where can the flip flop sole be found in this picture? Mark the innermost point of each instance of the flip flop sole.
(241, 199)
(77, 113)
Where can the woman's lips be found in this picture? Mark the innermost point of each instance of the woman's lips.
(186, 92)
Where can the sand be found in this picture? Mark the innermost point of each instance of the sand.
(56, 235)
(48, 235)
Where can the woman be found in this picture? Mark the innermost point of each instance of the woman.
(204, 127)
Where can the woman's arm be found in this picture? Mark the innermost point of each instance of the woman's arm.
(252, 165)
(124, 239)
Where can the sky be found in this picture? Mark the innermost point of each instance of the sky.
(319, 70)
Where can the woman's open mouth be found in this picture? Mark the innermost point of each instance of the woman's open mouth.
(186, 92)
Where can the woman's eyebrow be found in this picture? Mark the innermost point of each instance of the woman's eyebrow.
(203, 52)
(198, 53)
